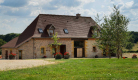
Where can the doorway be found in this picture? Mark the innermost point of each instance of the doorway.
(6, 54)
(79, 48)
(20, 54)
(62, 49)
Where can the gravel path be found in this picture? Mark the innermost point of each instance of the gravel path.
(19, 64)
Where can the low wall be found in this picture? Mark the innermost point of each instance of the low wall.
(129, 55)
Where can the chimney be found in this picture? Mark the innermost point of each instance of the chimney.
(78, 15)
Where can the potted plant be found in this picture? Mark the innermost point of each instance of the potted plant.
(66, 55)
(12, 56)
(58, 55)
(134, 56)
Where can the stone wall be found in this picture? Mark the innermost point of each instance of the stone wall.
(14, 50)
(45, 43)
(89, 44)
(129, 55)
(27, 50)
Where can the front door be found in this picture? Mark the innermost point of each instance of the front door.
(20, 54)
(63, 49)
(6, 55)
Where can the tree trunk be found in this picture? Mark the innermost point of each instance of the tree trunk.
(118, 52)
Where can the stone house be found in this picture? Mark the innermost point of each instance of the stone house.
(75, 33)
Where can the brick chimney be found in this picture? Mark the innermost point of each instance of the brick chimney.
(78, 15)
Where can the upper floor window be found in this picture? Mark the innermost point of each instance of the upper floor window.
(65, 31)
(50, 29)
(51, 32)
(40, 30)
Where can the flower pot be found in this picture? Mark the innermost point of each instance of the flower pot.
(11, 57)
(66, 56)
(134, 57)
(58, 57)
(123, 57)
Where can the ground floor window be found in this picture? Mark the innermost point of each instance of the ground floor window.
(94, 49)
(42, 50)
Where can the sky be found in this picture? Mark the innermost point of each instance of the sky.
(16, 15)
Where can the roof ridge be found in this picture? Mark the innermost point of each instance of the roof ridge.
(63, 15)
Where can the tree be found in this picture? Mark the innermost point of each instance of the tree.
(55, 38)
(1, 43)
(114, 34)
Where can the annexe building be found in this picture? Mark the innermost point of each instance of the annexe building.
(75, 33)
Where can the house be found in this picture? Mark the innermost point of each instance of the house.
(75, 33)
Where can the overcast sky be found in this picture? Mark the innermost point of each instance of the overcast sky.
(16, 15)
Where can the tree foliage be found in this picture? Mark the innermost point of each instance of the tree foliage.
(55, 38)
(114, 34)
(9, 36)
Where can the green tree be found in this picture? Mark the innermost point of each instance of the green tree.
(55, 38)
(114, 34)
(1, 43)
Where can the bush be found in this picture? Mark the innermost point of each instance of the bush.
(44, 57)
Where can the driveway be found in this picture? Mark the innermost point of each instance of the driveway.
(19, 64)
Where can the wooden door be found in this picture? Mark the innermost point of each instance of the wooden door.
(6, 54)
(79, 52)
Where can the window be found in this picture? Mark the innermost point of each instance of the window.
(42, 50)
(40, 30)
(65, 31)
(94, 49)
(51, 32)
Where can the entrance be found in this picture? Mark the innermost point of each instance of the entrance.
(63, 49)
(6, 55)
(20, 54)
(79, 49)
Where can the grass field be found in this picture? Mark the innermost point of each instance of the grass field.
(78, 69)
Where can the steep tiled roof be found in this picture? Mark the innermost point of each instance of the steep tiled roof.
(77, 28)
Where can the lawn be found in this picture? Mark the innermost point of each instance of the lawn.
(78, 69)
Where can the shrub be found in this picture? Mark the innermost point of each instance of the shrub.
(134, 56)
(66, 53)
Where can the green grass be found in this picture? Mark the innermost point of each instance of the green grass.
(78, 69)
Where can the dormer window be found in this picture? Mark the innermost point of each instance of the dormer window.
(65, 31)
(51, 32)
(40, 30)
(50, 29)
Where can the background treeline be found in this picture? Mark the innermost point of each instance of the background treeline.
(6, 38)
(135, 36)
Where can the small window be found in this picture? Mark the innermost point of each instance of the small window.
(51, 32)
(66, 31)
(40, 30)
(94, 49)
(42, 50)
